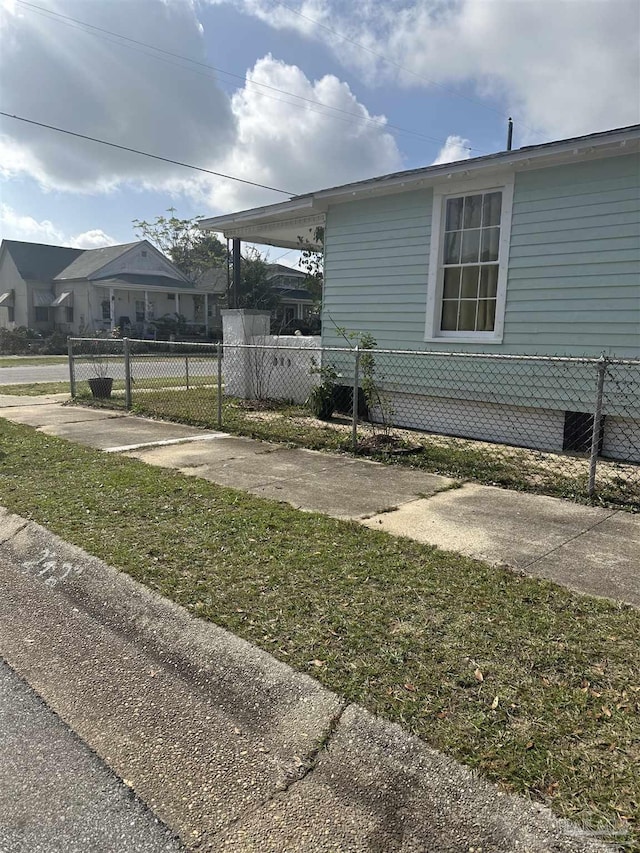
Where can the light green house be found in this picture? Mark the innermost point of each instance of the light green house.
(529, 252)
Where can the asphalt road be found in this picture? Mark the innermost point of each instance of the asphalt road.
(55, 794)
(141, 368)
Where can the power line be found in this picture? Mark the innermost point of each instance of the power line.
(397, 65)
(145, 154)
(94, 30)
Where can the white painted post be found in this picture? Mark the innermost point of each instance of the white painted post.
(178, 304)
(112, 308)
(146, 311)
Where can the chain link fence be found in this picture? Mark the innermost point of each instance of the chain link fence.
(563, 426)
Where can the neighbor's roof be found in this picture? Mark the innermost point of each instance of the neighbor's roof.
(135, 281)
(281, 269)
(92, 260)
(286, 223)
(38, 262)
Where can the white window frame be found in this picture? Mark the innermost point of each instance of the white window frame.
(435, 279)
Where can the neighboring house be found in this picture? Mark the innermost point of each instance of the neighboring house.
(77, 291)
(534, 251)
(295, 303)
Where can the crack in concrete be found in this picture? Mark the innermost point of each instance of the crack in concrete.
(570, 539)
(292, 776)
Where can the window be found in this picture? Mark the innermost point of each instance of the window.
(12, 314)
(139, 311)
(171, 297)
(467, 267)
(68, 313)
(42, 314)
(106, 309)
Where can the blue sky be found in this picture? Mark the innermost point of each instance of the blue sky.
(444, 73)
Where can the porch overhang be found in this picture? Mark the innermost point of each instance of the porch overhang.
(290, 224)
(7, 299)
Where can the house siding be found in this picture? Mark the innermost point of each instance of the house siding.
(11, 279)
(573, 284)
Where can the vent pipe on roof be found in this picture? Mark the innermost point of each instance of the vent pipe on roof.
(509, 134)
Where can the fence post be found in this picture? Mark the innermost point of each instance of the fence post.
(597, 420)
(219, 401)
(72, 369)
(186, 369)
(354, 402)
(126, 347)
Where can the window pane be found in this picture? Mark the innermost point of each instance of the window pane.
(470, 246)
(490, 244)
(449, 315)
(452, 243)
(488, 281)
(451, 289)
(472, 211)
(470, 282)
(492, 207)
(486, 315)
(453, 220)
(467, 321)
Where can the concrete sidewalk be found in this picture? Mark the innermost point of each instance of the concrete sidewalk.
(588, 549)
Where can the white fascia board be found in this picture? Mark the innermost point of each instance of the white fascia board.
(282, 210)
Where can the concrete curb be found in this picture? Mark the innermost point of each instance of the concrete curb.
(231, 748)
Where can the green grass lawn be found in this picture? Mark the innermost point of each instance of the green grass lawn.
(536, 687)
(31, 360)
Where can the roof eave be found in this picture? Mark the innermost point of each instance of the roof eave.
(254, 224)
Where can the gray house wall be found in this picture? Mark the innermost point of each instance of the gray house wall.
(12, 280)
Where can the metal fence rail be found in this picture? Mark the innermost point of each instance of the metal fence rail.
(566, 426)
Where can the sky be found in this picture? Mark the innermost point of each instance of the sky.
(295, 96)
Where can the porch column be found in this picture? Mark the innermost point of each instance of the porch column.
(236, 271)
(146, 310)
(112, 308)
(177, 303)
(206, 315)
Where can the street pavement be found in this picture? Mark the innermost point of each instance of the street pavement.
(141, 367)
(57, 795)
(588, 549)
(228, 747)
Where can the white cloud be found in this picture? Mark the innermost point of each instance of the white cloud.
(93, 239)
(18, 226)
(455, 148)
(64, 76)
(564, 66)
(296, 146)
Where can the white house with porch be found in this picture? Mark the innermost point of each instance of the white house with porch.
(77, 291)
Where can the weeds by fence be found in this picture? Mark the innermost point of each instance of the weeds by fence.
(562, 426)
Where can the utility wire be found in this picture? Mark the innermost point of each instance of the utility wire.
(145, 154)
(397, 65)
(94, 30)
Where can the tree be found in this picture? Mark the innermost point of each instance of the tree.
(312, 262)
(192, 250)
(255, 291)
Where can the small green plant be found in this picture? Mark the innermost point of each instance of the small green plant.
(377, 401)
(322, 399)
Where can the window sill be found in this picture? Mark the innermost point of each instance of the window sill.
(445, 339)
